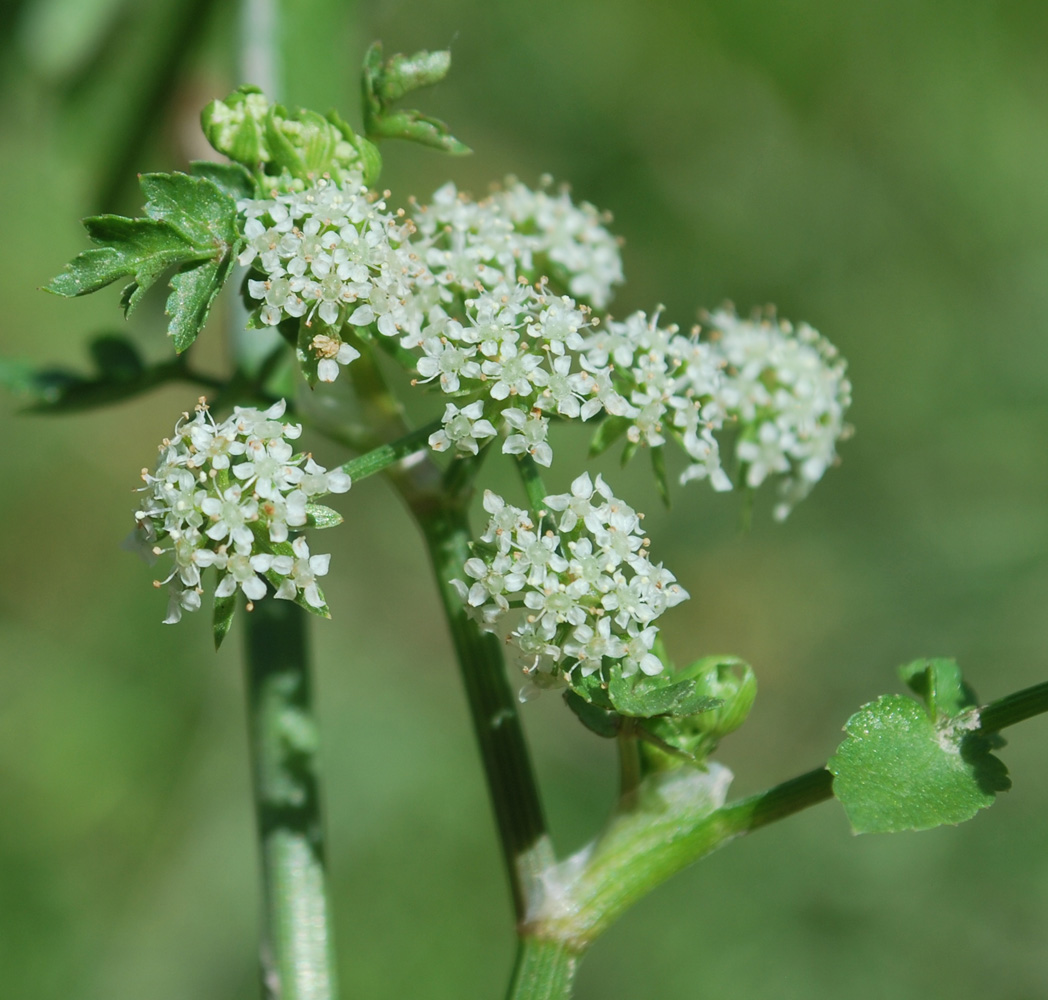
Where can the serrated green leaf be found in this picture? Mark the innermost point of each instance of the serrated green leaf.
(141, 249)
(191, 226)
(646, 697)
(939, 683)
(195, 206)
(230, 178)
(222, 618)
(319, 516)
(591, 689)
(194, 289)
(596, 720)
(900, 770)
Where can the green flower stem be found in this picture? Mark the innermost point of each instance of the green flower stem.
(545, 970)
(381, 458)
(629, 761)
(526, 846)
(296, 954)
(1014, 708)
(442, 518)
(532, 479)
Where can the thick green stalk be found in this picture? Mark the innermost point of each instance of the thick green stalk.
(526, 846)
(545, 970)
(645, 845)
(296, 953)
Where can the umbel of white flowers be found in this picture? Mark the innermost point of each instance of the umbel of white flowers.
(572, 590)
(460, 287)
(227, 495)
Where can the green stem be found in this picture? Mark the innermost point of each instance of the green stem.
(296, 953)
(526, 846)
(629, 762)
(1013, 708)
(642, 848)
(381, 458)
(532, 479)
(545, 970)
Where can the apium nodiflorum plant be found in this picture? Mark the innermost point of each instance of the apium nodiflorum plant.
(498, 312)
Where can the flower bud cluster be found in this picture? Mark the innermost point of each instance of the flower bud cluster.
(573, 589)
(227, 495)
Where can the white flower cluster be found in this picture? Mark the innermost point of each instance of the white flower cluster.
(518, 351)
(329, 253)
(519, 232)
(671, 384)
(459, 286)
(226, 495)
(786, 388)
(575, 591)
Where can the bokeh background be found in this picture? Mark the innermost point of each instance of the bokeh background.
(875, 169)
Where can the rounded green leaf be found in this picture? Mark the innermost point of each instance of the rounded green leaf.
(899, 770)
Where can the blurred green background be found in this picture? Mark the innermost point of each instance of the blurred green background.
(878, 170)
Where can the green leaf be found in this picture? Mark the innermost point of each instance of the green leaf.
(646, 697)
(596, 720)
(194, 288)
(230, 178)
(222, 619)
(319, 516)
(939, 683)
(898, 769)
(141, 249)
(203, 213)
(386, 81)
(191, 226)
(591, 689)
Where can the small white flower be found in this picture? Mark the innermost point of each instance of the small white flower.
(463, 429)
(532, 430)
